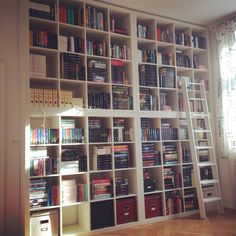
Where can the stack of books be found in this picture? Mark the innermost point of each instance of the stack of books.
(148, 75)
(71, 134)
(38, 65)
(167, 77)
(71, 67)
(169, 133)
(101, 188)
(118, 72)
(148, 102)
(122, 186)
(121, 98)
(69, 191)
(151, 156)
(121, 156)
(102, 158)
(170, 155)
(97, 71)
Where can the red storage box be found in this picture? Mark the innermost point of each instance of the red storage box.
(126, 210)
(153, 206)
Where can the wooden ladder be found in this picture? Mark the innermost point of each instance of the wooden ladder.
(202, 147)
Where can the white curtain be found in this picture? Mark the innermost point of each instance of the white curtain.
(226, 88)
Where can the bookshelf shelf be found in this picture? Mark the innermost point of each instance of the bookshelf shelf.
(111, 77)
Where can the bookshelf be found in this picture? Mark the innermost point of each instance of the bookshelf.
(107, 122)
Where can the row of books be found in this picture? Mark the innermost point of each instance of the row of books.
(142, 31)
(123, 135)
(43, 166)
(98, 100)
(42, 194)
(97, 48)
(74, 135)
(42, 11)
(150, 134)
(165, 58)
(120, 51)
(147, 55)
(96, 18)
(99, 135)
(182, 39)
(71, 15)
(71, 44)
(44, 136)
(147, 101)
(182, 60)
(168, 133)
(164, 35)
(40, 38)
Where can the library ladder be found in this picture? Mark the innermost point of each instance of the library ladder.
(204, 161)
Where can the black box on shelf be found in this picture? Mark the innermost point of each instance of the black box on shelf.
(149, 185)
(102, 214)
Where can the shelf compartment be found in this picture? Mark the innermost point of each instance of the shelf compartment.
(107, 210)
(152, 179)
(71, 13)
(125, 183)
(146, 28)
(75, 219)
(74, 159)
(126, 210)
(74, 189)
(120, 23)
(173, 202)
(153, 205)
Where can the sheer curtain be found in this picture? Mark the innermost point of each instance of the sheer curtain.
(226, 88)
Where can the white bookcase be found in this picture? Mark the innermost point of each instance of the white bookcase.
(106, 114)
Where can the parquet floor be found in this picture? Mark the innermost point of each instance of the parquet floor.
(214, 225)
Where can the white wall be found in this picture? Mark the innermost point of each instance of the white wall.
(8, 55)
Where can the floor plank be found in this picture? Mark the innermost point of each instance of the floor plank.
(214, 225)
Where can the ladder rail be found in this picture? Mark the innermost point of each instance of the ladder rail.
(189, 87)
(203, 94)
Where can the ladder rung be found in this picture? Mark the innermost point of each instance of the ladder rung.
(204, 147)
(197, 99)
(201, 131)
(198, 114)
(195, 83)
(209, 181)
(211, 199)
(206, 163)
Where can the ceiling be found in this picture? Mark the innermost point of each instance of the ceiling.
(201, 12)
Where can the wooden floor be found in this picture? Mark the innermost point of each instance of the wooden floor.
(214, 225)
